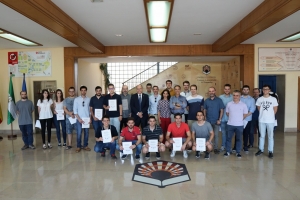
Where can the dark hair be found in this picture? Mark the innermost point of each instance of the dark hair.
(255, 89)
(149, 84)
(166, 90)
(105, 117)
(177, 114)
(193, 86)
(168, 81)
(152, 117)
(110, 85)
(200, 112)
(70, 88)
(237, 91)
(177, 86)
(267, 86)
(83, 87)
(185, 82)
(155, 86)
(246, 86)
(98, 87)
(23, 91)
(130, 119)
(62, 95)
(227, 85)
(42, 95)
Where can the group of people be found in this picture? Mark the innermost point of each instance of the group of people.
(173, 119)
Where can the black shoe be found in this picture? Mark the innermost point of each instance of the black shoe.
(226, 154)
(270, 154)
(147, 156)
(207, 156)
(238, 155)
(258, 153)
(197, 154)
(137, 157)
(24, 147)
(68, 147)
(113, 156)
(124, 156)
(246, 150)
(31, 146)
(216, 151)
(157, 155)
(103, 154)
(250, 146)
(233, 150)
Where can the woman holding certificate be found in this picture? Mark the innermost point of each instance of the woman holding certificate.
(45, 104)
(59, 117)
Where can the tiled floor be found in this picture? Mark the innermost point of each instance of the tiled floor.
(61, 174)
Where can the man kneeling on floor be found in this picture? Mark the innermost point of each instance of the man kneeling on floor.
(132, 134)
(202, 129)
(153, 132)
(106, 137)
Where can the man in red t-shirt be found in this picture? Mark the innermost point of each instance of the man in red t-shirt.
(179, 129)
(132, 134)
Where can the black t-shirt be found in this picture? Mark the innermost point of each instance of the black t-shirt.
(96, 103)
(119, 102)
(152, 135)
(112, 128)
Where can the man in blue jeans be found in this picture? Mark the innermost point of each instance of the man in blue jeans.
(132, 134)
(236, 111)
(24, 110)
(96, 103)
(99, 146)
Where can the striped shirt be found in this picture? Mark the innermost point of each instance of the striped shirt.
(152, 135)
(164, 108)
(195, 104)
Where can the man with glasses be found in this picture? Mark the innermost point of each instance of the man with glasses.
(82, 111)
(186, 93)
(113, 106)
(177, 104)
(153, 102)
(96, 103)
(68, 109)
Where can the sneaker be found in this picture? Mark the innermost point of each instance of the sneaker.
(270, 154)
(68, 147)
(233, 150)
(207, 155)
(78, 150)
(64, 145)
(246, 150)
(124, 156)
(49, 146)
(172, 155)
(197, 154)
(137, 157)
(147, 156)
(157, 155)
(31, 146)
(185, 154)
(216, 151)
(226, 154)
(103, 154)
(59, 144)
(113, 156)
(258, 153)
(250, 146)
(44, 146)
(238, 155)
(222, 148)
(24, 147)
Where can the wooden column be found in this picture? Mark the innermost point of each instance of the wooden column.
(247, 70)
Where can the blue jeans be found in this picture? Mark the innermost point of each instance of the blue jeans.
(57, 124)
(138, 148)
(116, 122)
(224, 133)
(269, 127)
(238, 130)
(96, 124)
(99, 146)
(86, 135)
(27, 135)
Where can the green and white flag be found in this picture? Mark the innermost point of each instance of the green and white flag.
(11, 108)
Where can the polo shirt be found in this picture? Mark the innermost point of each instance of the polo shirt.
(130, 136)
(236, 113)
(226, 100)
(152, 135)
(119, 102)
(178, 131)
(194, 104)
(112, 128)
(213, 107)
(96, 103)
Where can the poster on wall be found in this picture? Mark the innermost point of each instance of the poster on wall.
(278, 59)
(32, 63)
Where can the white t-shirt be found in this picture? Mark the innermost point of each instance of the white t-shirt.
(45, 106)
(266, 112)
(59, 105)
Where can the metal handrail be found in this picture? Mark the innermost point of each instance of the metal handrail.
(139, 73)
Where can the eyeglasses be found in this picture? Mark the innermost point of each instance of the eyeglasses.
(83, 104)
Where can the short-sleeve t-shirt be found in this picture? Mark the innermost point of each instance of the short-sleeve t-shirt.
(112, 128)
(202, 131)
(194, 104)
(25, 108)
(178, 131)
(69, 102)
(119, 102)
(152, 135)
(266, 111)
(45, 112)
(130, 136)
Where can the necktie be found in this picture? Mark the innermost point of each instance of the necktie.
(140, 102)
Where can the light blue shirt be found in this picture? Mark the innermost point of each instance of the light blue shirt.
(153, 102)
(80, 108)
(181, 100)
(225, 100)
(250, 102)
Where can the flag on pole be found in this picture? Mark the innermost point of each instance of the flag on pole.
(11, 108)
(1, 116)
(24, 88)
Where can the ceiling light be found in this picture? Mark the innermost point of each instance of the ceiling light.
(158, 34)
(290, 38)
(118, 35)
(15, 38)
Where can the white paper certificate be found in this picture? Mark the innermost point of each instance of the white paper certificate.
(124, 104)
(200, 144)
(86, 123)
(177, 144)
(126, 146)
(153, 145)
(98, 113)
(72, 120)
(60, 115)
(106, 136)
(112, 104)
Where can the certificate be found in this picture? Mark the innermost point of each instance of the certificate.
(60, 115)
(72, 120)
(112, 103)
(126, 146)
(177, 144)
(124, 104)
(153, 145)
(200, 144)
(98, 113)
(106, 136)
(86, 123)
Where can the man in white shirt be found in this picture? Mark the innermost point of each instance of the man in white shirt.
(267, 106)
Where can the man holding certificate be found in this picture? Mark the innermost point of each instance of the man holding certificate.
(96, 108)
(153, 138)
(202, 134)
(106, 137)
(132, 139)
(181, 136)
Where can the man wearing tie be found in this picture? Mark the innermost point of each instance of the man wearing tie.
(139, 104)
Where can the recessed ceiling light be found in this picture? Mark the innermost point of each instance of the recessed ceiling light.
(118, 35)
(18, 39)
(290, 38)
(197, 33)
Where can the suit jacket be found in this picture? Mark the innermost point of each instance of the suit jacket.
(135, 107)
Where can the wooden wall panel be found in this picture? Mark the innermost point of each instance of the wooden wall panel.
(231, 73)
(69, 73)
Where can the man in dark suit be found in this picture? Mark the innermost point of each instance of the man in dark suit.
(139, 104)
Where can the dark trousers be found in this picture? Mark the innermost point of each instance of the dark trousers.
(141, 121)
(254, 127)
(99, 147)
(57, 124)
(246, 135)
(27, 134)
(43, 126)
(238, 130)
(186, 117)
(123, 123)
